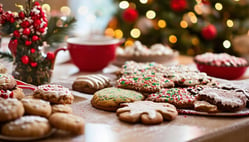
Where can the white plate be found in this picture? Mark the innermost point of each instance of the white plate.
(8, 138)
(243, 112)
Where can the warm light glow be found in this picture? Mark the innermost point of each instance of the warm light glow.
(227, 44)
(65, 10)
(195, 41)
(135, 33)
(172, 39)
(118, 33)
(161, 23)
(143, 1)
(109, 32)
(83, 10)
(129, 42)
(46, 7)
(198, 9)
(150, 14)
(192, 17)
(229, 23)
(218, 6)
(124, 4)
(236, 0)
(183, 24)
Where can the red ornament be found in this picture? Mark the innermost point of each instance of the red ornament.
(21, 15)
(12, 46)
(28, 43)
(50, 56)
(130, 15)
(32, 50)
(26, 31)
(178, 5)
(205, 2)
(25, 59)
(33, 64)
(25, 24)
(35, 38)
(209, 32)
(37, 23)
(12, 20)
(16, 33)
(37, 3)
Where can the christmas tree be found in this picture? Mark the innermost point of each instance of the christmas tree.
(189, 26)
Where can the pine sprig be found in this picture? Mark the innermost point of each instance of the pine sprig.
(56, 33)
(6, 56)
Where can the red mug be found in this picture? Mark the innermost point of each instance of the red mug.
(92, 53)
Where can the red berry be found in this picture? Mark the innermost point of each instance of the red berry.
(35, 38)
(178, 5)
(25, 59)
(26, 31)
(12, 20)
(42, 30)
(11, 95)
(50, 56)
(32, 50)
(37, 3)
(25, 24)
(21, 15)
(16, 33)
(28, 43)
(33, 64)
(37, 23)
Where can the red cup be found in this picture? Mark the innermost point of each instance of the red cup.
(92, 53)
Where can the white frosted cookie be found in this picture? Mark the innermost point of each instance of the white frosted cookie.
(91, 83)
(54, 93)
(27, 126)
(10, 109)
(7, 82)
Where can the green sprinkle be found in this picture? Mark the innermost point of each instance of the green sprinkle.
(123, 82)
(147, 78)
(135, 78)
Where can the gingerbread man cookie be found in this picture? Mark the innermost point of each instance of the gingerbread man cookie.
(147, 112)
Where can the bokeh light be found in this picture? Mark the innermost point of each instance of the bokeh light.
(172, 39)
(124, 4)
(226, 44)
(135, 33)
(150, 14)
(218, 6)
(65, 10)
(183, 24)
(161, 23)
(118, 33)
(230, 23)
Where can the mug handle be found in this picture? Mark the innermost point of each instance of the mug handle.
(56, 52)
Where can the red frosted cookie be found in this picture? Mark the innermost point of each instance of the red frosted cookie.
(179, 97)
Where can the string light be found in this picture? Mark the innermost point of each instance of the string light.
(218, 6)
(150, 14)
(183, 24)
(135, 33)
(46, 7)
(172, 39)
(143, 1)
(230, 23)
(109, 32)
(118, 33)
(192, 17)
(129, 42)
(226, 44)
(124, 4)
(198, 9)
(65, 10)
(161, 23)
(195, 41)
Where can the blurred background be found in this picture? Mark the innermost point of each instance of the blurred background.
(189, 26)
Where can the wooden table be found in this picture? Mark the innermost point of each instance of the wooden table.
(102, 126)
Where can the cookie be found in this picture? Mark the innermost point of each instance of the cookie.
(90, 83)
(10, 109)
(144, 83)
(109, 98)
(27, 126)
(225, 100)
(16, 93)
(147, 112)
(54, 93)
(63, 108)
(67, 122)
(7, 82)
(3, 69)
(180, 97)
(37, 107)
(205, 107)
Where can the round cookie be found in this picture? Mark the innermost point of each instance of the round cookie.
(63, 108)
(10, 109)
(37, 107)
(147, 112)
(109, 98)
(7, 82)
(27, 126)
(16, 93)
(91, 83)
(54, 93)
(67, 122)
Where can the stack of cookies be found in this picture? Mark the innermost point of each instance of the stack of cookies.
(36, 116)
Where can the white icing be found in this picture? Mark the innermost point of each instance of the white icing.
(97, 81)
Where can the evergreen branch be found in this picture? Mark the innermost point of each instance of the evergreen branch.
(56, 34)
(6, 55)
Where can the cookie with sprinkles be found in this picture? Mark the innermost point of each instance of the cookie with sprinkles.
(27, 126)
(10, 109)
(225, 100)
(109, 99)
(16, 93)
(54, 93)
(7, 82)
(147, 112)
(180, 97)
(146, 83)
(91, 83)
